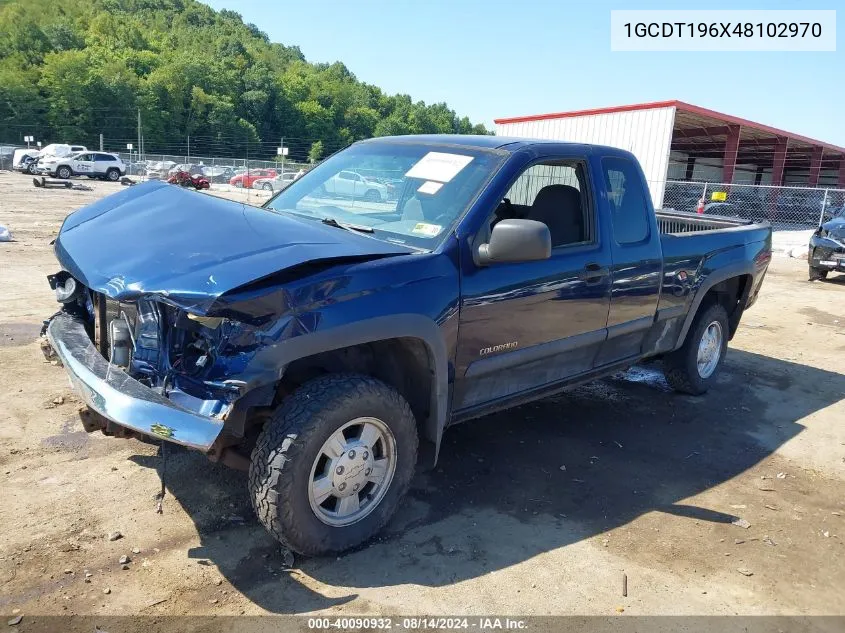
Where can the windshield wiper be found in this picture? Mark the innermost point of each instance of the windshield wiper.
(349, 227)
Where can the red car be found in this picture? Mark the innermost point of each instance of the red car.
(247, 178)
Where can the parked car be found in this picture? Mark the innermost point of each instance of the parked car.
(827, 246)
(23, 158)
(351, 184)
(218, 173)
(159, 170)
(318, 344)
(246, 178)
(91, 164)
(274, 184)
(28, 160)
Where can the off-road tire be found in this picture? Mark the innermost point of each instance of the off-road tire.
(681, 366)
(817, 274)
(281, 463)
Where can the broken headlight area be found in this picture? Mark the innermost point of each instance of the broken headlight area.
(188, 358)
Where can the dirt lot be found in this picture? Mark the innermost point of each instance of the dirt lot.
(535, 511)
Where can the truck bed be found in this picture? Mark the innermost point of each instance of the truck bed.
(678, 222)
(708, 242)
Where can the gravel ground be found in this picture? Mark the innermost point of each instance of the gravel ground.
(539, 510)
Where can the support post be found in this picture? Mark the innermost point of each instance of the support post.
(731, 150)
(824, 206)
(815, 166)
(779, 161)
(690, 168)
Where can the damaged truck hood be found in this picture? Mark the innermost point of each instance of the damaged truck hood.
(188, 248)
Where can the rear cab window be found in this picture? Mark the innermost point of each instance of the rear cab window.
(625, 195)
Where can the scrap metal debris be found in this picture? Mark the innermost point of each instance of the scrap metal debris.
(44, 182)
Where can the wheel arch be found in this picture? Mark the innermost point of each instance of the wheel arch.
(406, 351)
(729, 286)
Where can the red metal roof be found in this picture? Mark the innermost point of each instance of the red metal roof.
(680, 105)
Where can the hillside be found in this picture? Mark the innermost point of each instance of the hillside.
(74, 69)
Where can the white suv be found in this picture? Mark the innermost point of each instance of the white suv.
(91, 164)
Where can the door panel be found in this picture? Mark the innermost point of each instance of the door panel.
(526, 325)
(637, 260)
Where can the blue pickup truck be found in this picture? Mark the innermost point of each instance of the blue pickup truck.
(325, 341)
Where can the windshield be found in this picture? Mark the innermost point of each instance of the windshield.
(407, 193)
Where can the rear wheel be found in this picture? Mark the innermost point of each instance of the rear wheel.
(267, 186)
(239, 183)
(113, 174)
(333, 463)
(694, 366)
(63, 172)
(372, 196)
(817, 274)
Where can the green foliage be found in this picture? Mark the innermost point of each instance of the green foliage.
(73, 69)
(316, 151)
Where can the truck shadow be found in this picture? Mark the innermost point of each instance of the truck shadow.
(514, 485)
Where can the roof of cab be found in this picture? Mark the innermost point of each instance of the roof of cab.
(506, 143)
(469, 140)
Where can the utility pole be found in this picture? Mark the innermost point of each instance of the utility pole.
(139, 129)
(189, 148)
(101, 141)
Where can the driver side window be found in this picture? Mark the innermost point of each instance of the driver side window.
(555, 193)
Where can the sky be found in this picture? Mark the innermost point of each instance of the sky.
(500, 58)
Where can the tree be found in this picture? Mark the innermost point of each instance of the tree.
(316, 152)
(72, 70)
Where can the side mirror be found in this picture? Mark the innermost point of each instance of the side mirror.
(516, 240)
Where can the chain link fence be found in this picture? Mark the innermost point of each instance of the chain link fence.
(787, 208)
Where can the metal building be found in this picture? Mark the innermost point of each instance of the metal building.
(678, 141)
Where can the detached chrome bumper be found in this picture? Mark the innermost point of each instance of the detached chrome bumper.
(115, 395)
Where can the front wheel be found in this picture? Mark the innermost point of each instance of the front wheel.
(817, 274)
(332, 463)
(31, 168)
(694, 366)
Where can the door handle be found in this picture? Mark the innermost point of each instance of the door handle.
(594, 273)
